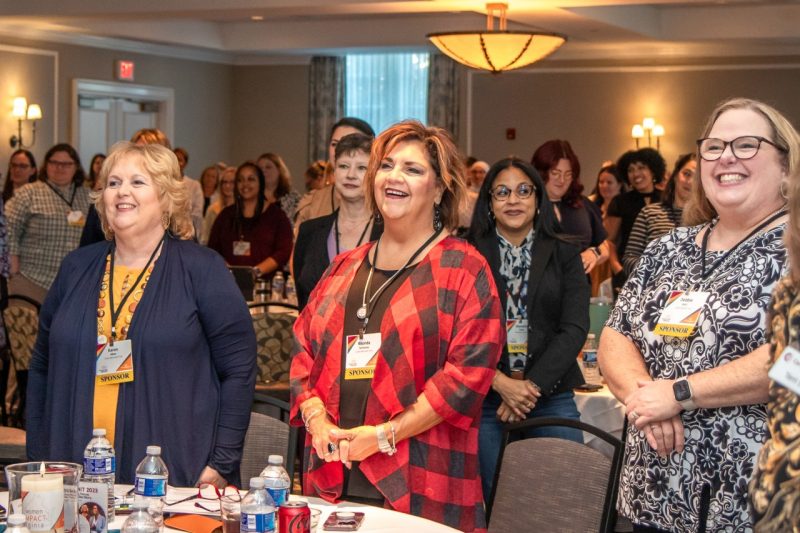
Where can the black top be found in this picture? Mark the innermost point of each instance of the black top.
(627, 206)
(558, 311)
(311, 253)
(92, 229)
(354, 392)
(584, 223)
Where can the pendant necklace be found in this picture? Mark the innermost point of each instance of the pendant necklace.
(363, 313)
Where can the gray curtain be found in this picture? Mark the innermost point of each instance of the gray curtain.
(443, 89)
(325, 103)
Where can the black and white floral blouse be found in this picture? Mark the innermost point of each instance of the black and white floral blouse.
(710, 477)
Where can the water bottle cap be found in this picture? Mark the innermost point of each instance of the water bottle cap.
(16, 519)
(98, 432)
(275, 460)
(590, 336)
(154, 450)
(256, 483)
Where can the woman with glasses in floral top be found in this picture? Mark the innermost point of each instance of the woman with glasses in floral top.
(544, 294)
(45, 220)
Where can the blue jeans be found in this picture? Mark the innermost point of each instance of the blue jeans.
(490, 436)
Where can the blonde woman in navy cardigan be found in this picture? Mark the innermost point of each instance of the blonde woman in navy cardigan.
(185, 376)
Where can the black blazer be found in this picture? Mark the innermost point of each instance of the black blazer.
(310, 257)
(558, 311)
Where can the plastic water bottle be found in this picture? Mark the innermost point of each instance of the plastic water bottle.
(140, 520)
(151, 483)
(16, 524)
(100, 465)
(277, 287)
(591, 370)
(276, 480)
(291, 292)
(258, 509)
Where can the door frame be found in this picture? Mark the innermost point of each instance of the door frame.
(165, 96)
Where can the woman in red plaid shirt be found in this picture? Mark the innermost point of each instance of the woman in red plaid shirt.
(398, 345)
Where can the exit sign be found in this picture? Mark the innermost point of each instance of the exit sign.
(124, 70)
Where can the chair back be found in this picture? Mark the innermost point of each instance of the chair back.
(21, 319)
(274, 338)
(268, 435)
(552, 484)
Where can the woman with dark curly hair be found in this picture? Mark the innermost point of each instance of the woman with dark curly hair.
(644, 169)
(578, 217)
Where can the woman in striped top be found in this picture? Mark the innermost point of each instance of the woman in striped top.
(658, 219)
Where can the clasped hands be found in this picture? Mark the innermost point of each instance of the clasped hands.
(333, 443)
(653, 410)
(519, 397)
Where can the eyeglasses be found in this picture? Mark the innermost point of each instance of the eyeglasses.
(20, 166)
(501, 193)
(207, 491)
(745, 147)
(62, 165)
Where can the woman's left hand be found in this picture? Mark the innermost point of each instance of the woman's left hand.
(209, 475)
(507, 415)
(653, 401)
(356, 444)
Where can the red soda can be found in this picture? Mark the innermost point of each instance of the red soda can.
(294, 517)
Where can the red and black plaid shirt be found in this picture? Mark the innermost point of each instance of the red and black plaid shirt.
(441, 336)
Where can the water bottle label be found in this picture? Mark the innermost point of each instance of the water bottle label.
(590, 356)
(258, 523)
(278, 495)
(151, 486)
(94, 467)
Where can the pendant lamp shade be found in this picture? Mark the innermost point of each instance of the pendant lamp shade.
(496, 50)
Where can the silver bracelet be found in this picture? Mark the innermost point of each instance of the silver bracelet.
(383, 441)
(307, 419)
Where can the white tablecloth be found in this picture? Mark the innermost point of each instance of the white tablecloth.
(602, 410)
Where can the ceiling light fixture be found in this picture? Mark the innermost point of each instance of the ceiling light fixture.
(497, 50)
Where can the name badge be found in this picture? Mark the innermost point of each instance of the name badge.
(114, 363)
(786, 370)
(361, 355)
(517, 337)
(680, 315)
(76, 219)
(241, 248)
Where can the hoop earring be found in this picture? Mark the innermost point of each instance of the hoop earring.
(377, 217)
(165, 220)
(437, 218)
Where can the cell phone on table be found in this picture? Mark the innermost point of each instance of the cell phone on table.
(343, 521)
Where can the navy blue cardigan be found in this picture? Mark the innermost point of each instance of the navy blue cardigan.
(194, 355)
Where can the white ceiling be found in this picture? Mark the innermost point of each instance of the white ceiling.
(292, 30)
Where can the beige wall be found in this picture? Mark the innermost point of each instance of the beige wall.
(595, 110)
(203, 93)
(269, 113)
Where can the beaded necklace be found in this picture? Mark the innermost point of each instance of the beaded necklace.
(126, 314)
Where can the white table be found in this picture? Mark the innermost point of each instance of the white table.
(602, 410)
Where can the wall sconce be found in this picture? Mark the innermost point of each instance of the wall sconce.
(651, 129)
(22, 111)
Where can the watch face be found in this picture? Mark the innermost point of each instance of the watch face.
(682, 390)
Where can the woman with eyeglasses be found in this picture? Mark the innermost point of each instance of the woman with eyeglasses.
(21, 171)
(544, 294)
(45, 220)
(685, 346)
(658, 219)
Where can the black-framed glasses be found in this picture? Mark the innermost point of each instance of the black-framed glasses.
(745, 147)
(501, 193)
(63, 165)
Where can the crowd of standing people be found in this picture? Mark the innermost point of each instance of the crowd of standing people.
(440, 299)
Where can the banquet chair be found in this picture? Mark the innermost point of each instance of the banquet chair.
(553, 484)
(274, 339)
(267, 435)
(21, 319)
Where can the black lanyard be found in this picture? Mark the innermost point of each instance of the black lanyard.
(336, 231)
(718, 263)
(116, 312)
(71, 199)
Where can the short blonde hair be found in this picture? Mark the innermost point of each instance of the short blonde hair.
(443, 156)
(161, 165)
(699, 210)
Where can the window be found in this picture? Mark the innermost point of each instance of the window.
(386, 88)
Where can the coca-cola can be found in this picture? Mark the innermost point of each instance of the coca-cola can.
(294, 517)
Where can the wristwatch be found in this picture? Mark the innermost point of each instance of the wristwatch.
(683, 394)
(596, 250)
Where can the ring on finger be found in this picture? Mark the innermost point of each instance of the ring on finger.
(634, 416)
(331, 448)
